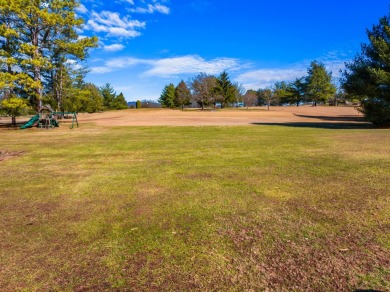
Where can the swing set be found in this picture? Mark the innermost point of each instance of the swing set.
(48, 118)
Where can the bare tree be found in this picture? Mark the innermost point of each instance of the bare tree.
(250, 98)
(203, 89)
(267, 96)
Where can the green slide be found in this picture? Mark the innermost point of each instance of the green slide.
(31, 122)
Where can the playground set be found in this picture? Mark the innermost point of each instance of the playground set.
(48, 118)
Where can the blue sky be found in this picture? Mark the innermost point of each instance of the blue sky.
(147, 44)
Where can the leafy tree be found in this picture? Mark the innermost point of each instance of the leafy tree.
(368, 75)
(14, 106)
(182, 95)
(281, 92)
(43, 34)
(109, 95)
(8, 49)
(167, 98)
(226, 89)
(119, 102)
(95, 98)
(204, 89)
(296, 91)
(138, 104)
(319, 85)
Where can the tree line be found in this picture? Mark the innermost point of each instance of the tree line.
(204, 89)
(210, 90)
(40, 52)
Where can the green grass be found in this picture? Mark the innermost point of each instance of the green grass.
(195, 208)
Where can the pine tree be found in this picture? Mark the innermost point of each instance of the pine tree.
(296, 91)
(109, 95)
(182, 95)
(119, 102)
(167, 98)
(368, 75)
(226, 88)
(45, 34)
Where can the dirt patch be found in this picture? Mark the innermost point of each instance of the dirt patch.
(320, 116)
(344, 116)
(5, 155)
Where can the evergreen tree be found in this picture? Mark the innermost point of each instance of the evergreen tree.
(296, 91)
(368, 75)
(280, 91)
(42, 32)
(167, 98)
(182, 95)
(319, 85)
(226, 88)
(119, 102)
(109, 95)
(9, 48)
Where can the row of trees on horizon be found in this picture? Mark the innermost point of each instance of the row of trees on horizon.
(209, 90)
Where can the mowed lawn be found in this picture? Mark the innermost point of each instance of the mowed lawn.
(195, 208)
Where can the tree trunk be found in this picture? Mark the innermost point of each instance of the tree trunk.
(37, 69)
(13, 120)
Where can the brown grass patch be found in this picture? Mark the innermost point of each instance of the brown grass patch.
(5, 155)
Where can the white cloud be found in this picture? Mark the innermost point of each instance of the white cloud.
(267, 77)
(114, 47)
(168, 67)
(100, 70)
(113, 25)
(151, 9)
(81, 9)
(191, 65)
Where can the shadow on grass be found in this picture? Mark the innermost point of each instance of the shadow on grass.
(9, 126)
(335, 119)
(338, 122)
(322, 125)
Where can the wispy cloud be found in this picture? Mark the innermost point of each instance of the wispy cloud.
(191, 65)
(113, 25)
(113, 47)
(119, 24)
(81, 9)
(151, 8)
(262, 78)
(244, 73)
(168, 67)
(266, 77)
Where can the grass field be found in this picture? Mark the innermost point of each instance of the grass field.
(195, 208)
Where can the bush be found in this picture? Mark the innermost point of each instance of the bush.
(376, 112)
(138, 104)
